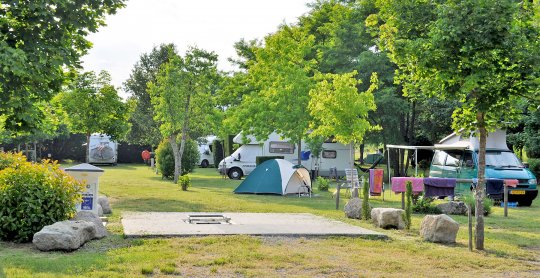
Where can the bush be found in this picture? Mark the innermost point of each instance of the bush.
(217, 152)
(425, 205)
(184, 182)
(322, 184)
(33, 196)
(366, 209)
(165, 158)
(534, 166)
(408, 206)
(470, 201)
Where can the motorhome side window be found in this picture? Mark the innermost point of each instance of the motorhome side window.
(329, 154)
(453, 158)
(281, 147)
(439, 158)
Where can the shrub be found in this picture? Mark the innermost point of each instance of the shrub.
(323, 184)
(534, 166)
(165, 158)
(12, 160)
(408, 205)
(217, 152)
(425, 205)
(184, 182)
(366, 210)
(471, 202)
(33, 196)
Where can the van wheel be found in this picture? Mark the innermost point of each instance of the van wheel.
(235, 173)
(204, 163)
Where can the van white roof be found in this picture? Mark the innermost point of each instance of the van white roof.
(495, 140)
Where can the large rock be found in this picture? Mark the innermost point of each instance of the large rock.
(104, 202)
(100, 210)
(88, 216)
(439, 228)
(66, 235)
(453, 208)
(353, 208)
(388, 218)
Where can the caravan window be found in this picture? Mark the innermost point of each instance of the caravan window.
(439, 158)
(329, 154)
(281, 147)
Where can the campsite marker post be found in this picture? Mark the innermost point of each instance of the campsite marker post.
(505, 200)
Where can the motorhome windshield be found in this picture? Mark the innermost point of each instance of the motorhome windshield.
(502, 159)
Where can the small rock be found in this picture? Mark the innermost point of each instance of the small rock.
(453, 208)
(104, 202)
(439, 228)
(64, 235)
(88, 216)
(388, 218)
(353, 208)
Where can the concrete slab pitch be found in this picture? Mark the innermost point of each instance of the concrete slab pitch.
(175, 224)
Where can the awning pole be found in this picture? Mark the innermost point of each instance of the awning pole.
(388, 168)
(416, 162)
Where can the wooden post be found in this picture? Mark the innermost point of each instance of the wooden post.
(469, 213)
(505, 198)
(337, 195)
(402, 200)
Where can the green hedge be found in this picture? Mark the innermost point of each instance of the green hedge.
(33, 196)
(165, 158)
(534, 166)
(261, 159)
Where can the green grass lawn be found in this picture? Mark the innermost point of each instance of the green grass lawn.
(512, 243)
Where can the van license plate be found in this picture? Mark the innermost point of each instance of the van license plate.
(517, 192)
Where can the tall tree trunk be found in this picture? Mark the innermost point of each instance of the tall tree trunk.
(180, 153)
(176, 155)
(87, 147)
(300, 152)
(362, 153)
(479, 193)
(411, 123)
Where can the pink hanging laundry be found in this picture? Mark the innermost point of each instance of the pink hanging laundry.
(375, 181)
(511, 183)
(399, 184)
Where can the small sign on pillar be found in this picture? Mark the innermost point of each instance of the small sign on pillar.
(89, 174)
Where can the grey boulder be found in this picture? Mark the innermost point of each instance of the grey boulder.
(65, 235)
(453, 208)
(353, 208)
(88, 216)
(100, 210)
(388, 218)
(104, 202)
(439, 228)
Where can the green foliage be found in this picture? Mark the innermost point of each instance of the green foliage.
(532, 134)
(94, 106)
(471, 202)
(534, 166)
(39, 42)
(366, 209)
(33, 196)
(185, 182)
(425, 205)
(217, 153)
(323, 184)
(261, 159)
(338, 109)
(165, 158)
(408, 205)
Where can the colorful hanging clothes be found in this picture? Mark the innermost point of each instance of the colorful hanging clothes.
(439, 187)
(375, 181)
(399, 184)
(511, 183)
(494, 186)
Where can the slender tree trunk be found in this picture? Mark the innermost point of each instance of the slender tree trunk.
(176, 155)
(362, 153)
(180, 153)
(300, 152)
(479, 193)
(87, 147)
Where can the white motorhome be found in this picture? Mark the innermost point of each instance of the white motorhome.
(242, 161)
(205, 151)
(102, 149)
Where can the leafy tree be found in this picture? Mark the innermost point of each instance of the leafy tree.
(39, 42)
(144, 129)
(183, 100)
(93, 106)
(482, 53)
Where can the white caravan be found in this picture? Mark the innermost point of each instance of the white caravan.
(242, 161)
(102, 150)
(206, 157)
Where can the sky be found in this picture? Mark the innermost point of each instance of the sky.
(213, 25)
